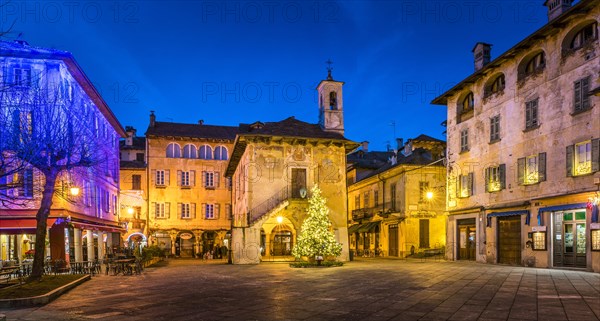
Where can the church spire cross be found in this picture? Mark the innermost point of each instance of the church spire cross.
(329, 69)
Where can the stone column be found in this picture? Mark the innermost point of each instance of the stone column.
(78, 244)
(268, 245)
(100, 245)
(90, 245)
(197, 244)
(173, 235)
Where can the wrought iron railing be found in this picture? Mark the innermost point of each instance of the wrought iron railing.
(263, 208)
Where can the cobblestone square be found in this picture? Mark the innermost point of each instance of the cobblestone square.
(366, 289)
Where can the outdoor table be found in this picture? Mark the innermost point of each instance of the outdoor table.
(121, 266)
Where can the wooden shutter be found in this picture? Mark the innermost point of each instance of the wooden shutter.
(217, 211)
(570, 153)
(180, 210)
(204, 178)
(521, 170)
(167, 177)
(541, 167)
(471, 182)
(153, 176)
(217, 179)
(577, 91)
(595, 155)
(193, 210)
(458, 183)
(153, 209)
(192, 178)
(585, 89)
(204, 211)
(487, 179)
(179, 174)
(502, 175)
(168, 210)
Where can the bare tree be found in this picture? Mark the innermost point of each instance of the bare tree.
(49, 133)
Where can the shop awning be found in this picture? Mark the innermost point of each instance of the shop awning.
(21, 225)
(564, 207)
(509, 213)
(353, 228)
(99, 227)
(368, 227)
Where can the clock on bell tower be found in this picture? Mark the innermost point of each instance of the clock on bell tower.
(331, 103)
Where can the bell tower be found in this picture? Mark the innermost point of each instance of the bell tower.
(331, 103)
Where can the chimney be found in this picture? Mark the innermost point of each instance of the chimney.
(557, 7)
(130, 135)
(399, 143)
(152, 119)
(365, 146)
(201, 122)
(482, 54)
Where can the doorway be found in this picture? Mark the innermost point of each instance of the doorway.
(509, 240)
(282, 243)
(569, 239)
(393, 240)
(466, 239)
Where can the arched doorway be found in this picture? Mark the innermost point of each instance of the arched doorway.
(185, 244)
(282, 243)
(137, 241)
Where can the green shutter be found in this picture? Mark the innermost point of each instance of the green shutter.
(541, 167)
(595, 155)
(502, 175)
(570, 153)
(521, 170)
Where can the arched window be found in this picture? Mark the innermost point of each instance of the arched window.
(189, 151)
(173, 151)
(333, 100)
(536, 63)
(205, 152)
(221, 153)
(585, 35)
(468, 103)
(495, 85)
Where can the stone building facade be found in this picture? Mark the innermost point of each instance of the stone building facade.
(46, 97)
(274, 165)
(189, 197)
(523, 148)
(134, 186)
(398, 209)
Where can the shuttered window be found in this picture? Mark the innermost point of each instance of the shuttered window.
(581, 91)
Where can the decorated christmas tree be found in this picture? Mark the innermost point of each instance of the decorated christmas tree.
(316, 237)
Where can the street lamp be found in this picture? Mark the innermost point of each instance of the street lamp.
(429, 195)
(74, 190)
(279, 219)
(130, 210)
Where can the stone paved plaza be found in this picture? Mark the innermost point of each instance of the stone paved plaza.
(367, 289)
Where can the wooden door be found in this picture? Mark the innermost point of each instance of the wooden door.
(393, 240)
(509, 240)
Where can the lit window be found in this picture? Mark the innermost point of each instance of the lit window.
(532, 169)
(583, 158)
(465, 185)
(495, 178)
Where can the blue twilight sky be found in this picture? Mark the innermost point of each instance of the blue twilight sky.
(242, 61)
